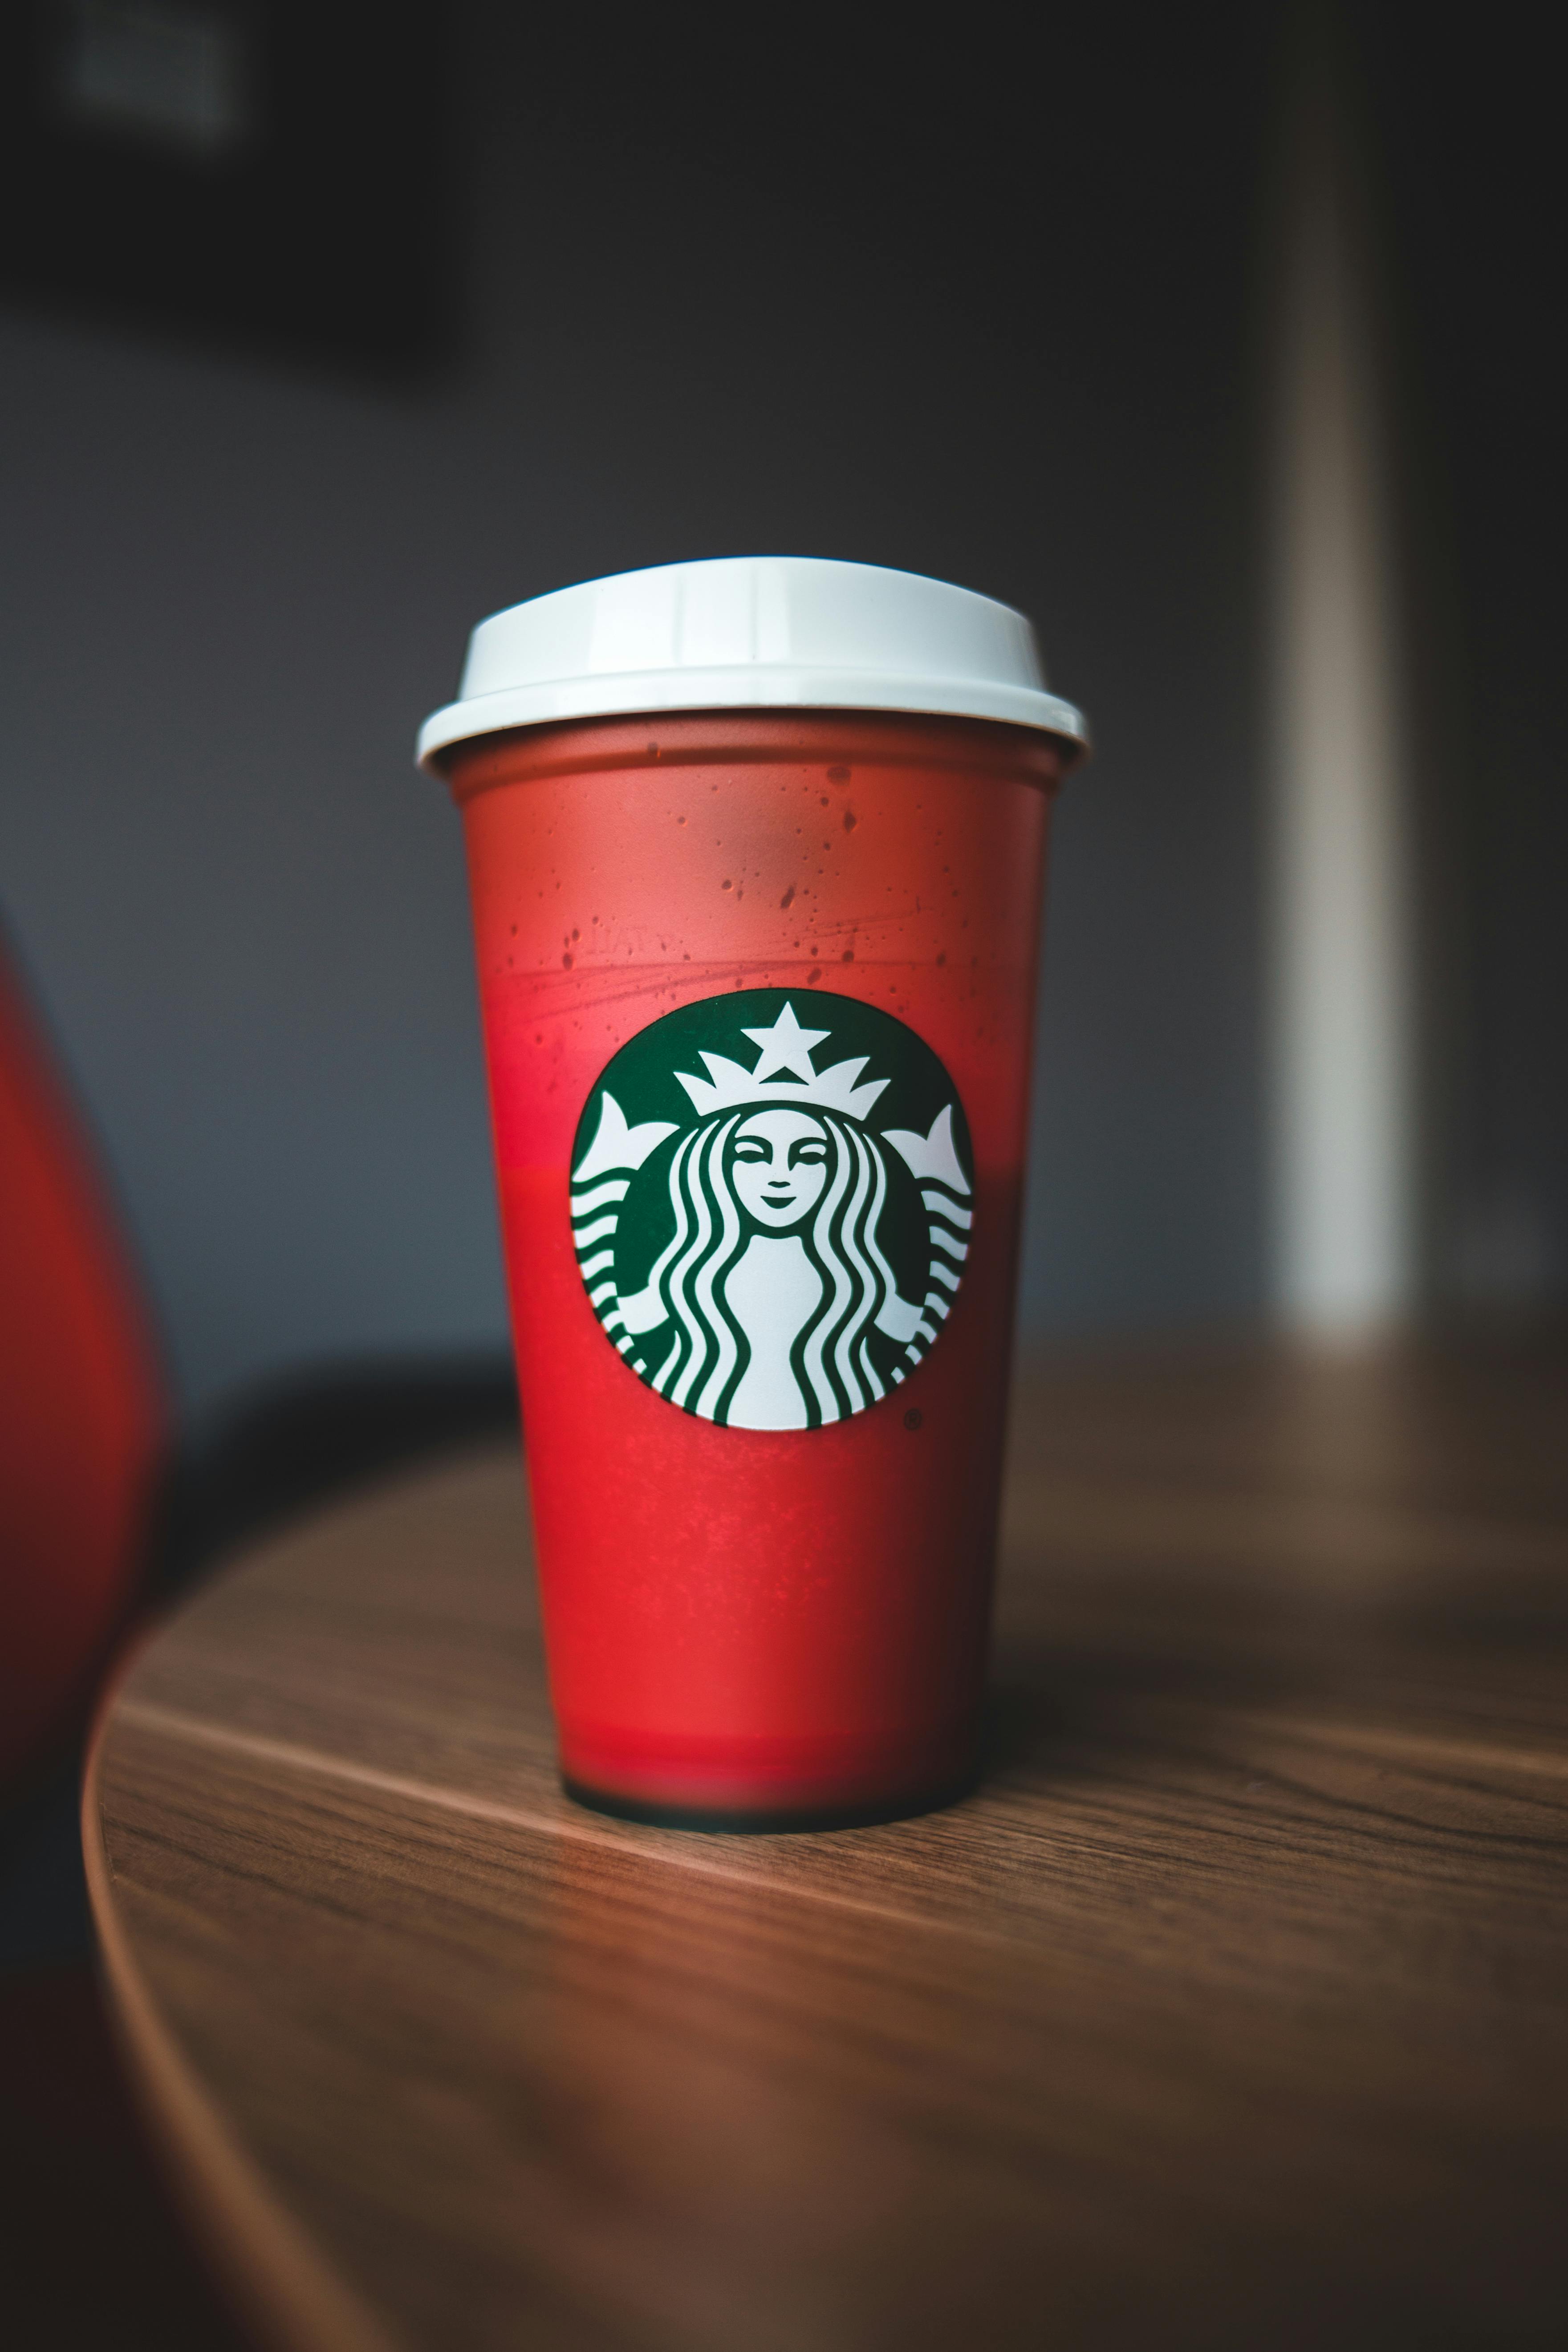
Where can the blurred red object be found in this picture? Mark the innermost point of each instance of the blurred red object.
(83, 1419)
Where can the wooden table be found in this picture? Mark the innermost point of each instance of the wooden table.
(1232, 2012)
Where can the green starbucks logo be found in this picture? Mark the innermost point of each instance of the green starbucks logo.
(774, 1244)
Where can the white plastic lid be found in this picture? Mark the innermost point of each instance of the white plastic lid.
(751, 631)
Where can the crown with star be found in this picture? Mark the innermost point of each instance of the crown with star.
(783, 1073)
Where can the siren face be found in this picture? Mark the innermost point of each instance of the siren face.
(775, 1244)
(779, 1165)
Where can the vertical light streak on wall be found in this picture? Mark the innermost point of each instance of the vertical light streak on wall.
(1343, 1044)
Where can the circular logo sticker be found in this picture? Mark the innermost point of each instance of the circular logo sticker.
(770, 1202)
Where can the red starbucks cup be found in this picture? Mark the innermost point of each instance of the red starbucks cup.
(757, 850)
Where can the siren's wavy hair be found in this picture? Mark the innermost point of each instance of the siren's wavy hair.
(831, 1356)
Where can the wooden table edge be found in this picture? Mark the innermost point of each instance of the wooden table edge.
(265, 2261)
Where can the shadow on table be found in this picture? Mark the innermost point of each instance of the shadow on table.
(284, 1447)
(278, 1450)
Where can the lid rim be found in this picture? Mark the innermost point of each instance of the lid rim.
(745, 686)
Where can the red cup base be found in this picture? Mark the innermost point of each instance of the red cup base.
(769, 1785)
(755, 1822)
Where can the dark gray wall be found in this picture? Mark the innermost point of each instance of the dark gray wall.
(945, 321)
(1469, 146)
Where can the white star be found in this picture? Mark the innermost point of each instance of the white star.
(786, 1047)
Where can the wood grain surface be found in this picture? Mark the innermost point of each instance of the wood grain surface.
(1232, 2011)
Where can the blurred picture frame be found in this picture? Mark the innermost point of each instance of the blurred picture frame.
(263, 174)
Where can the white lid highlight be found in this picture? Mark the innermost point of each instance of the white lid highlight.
(751, 632)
